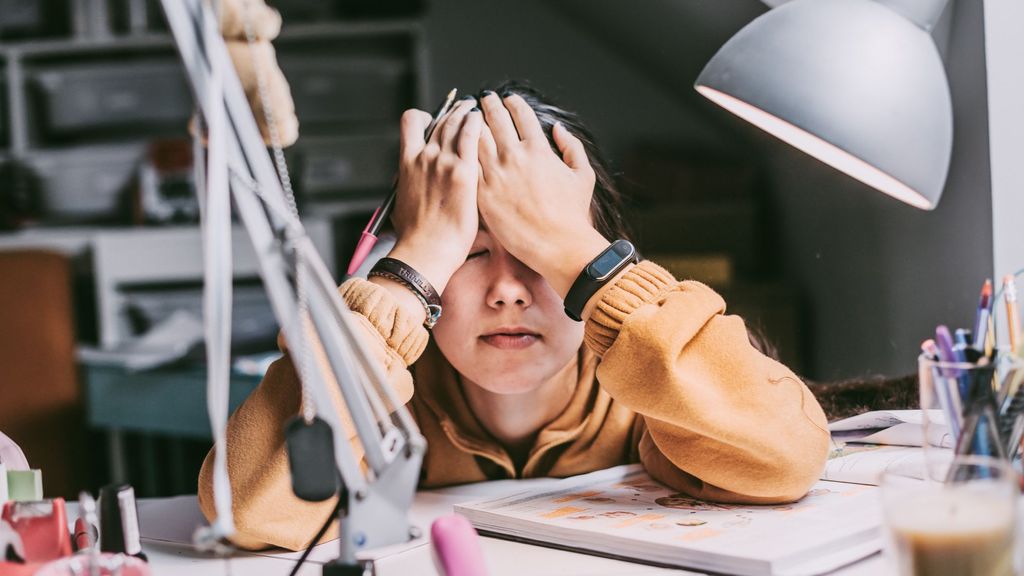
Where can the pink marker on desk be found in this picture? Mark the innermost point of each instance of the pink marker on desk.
(456, 547)
(368, 238)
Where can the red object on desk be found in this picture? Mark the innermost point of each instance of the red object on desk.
(42, 526)
(109, 565)
(79, 564)
(15, 569)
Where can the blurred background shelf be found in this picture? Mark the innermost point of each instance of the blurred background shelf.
(96, 180)
(83, 100)
(155, 423)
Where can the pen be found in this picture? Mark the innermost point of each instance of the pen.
(369, 236)
(85, 534)
(952, 376)
(981, 323)
(962, 340)
(990, 337)
(1012, 317)
(940, 387)
(86, 537)
(944, 348)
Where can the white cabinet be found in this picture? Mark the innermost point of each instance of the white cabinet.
(164, 263)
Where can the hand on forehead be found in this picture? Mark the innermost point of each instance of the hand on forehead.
(511, 120)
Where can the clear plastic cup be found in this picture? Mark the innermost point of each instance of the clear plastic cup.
(956, 519)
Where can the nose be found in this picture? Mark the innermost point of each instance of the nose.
(509, 282)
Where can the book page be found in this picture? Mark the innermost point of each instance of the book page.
(622, 511)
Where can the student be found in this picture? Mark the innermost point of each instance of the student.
(500, 212)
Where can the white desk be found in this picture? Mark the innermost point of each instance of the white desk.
(168, 523)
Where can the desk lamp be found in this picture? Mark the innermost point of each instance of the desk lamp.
(378, 482)
(857, 84)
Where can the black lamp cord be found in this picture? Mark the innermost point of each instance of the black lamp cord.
(320, 534)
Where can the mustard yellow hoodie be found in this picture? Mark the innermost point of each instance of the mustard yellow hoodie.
(664, 378)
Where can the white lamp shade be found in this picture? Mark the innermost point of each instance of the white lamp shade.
(850, 82)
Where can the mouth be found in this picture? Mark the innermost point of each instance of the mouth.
(511, 338)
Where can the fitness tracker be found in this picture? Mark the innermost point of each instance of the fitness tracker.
(594, 275)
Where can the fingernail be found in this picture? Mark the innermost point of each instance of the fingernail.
(487, 93)
(468, 97)
(475, 109)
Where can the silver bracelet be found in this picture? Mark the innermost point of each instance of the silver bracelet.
(433, 310)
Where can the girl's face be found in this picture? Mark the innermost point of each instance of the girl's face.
(503, 327)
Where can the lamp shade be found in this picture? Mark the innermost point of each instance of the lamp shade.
(850, 82)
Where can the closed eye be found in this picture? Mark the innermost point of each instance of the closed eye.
(477, 254)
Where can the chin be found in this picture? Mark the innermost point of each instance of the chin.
(510, 388)
(512, 381)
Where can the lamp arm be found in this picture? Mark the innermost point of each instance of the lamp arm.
(379, 495)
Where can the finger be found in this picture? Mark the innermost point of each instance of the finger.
(487, 152)
(469, 136)
(525, 119)
(438, 130)
(414, 122)
(573, 152)
(499, 120)
(452, 125)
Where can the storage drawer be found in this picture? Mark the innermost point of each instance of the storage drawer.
(348, 90)
(348, 164)
(137, 94)
(21, 19)
(85, 184)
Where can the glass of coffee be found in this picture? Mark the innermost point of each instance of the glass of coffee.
(957, 521)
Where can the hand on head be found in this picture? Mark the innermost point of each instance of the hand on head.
(436, 214)
(535, 202)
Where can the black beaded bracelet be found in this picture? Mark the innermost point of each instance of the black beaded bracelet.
(407, 276)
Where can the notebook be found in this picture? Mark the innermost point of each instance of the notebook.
(622, 513)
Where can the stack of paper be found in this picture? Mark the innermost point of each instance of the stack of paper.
(894, 427)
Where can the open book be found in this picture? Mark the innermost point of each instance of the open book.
(621, 512)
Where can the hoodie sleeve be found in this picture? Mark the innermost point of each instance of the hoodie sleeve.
(722, 421)
(266, 511)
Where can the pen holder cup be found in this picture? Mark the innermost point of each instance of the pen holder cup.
(975, 408)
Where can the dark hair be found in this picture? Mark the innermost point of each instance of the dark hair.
(607, 205)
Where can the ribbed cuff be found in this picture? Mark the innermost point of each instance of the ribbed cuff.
(401, 332)
(642, 284)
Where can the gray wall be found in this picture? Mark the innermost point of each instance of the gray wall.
(879, 275)
(476, 43)
(1004, 46)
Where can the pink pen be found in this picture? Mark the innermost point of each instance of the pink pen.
(456, 547)
(368, 238)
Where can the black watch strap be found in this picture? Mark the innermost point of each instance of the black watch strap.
(596, 274)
